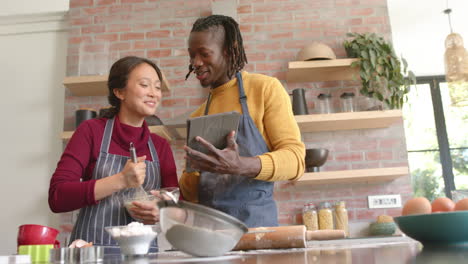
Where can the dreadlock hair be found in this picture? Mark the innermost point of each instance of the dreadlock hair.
(232, 40)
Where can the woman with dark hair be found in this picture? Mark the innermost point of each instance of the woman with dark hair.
(267, 147)
(95, 169)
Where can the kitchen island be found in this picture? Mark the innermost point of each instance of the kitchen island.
(404, 251)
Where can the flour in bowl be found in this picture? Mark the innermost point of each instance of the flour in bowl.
(132, 229)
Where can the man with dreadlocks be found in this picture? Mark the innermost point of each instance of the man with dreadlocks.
(239, 179)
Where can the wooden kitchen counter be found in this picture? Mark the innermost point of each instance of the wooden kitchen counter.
(394, 253)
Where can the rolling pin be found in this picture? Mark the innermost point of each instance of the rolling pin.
(283, 237)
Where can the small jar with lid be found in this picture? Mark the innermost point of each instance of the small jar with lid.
(347, 102)
(325, 216)
(324, 103)
(341, 217)
(309, 217)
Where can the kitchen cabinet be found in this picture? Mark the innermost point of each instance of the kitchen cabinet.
(336, 70)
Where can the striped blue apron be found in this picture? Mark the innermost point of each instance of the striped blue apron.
(110, 210)
(249, 200)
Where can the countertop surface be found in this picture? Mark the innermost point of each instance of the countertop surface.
(367, 251)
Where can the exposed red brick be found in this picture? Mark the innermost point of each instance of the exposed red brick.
(181, 32)
(354, 21)
(118, 28)
(266, 8)
(120, 46)
(172, 43)
(269, 45)
(82, 21)
(151, 7)
(283, 55)
(180, 52)
(179, 62)
(245, 28)
(282, 35)
(257, 56)
(361, 11)
(364, 144)
(95, 10)
(160, 53)
(390, 143)
(184, 13)
(93, 29)
(144, 26)
(120, 9)
(249, 19)
(172, 24)
(105, 2)
(375, 20)
(132, 36)
(138, 53)
(379, 155)
(80, 3)
(270, 66)
(368, 214)
(280, 17)
(93, 48)
(106, 38)
(175, 102)
(146, 44)
(131, 1)
(350, 156)
(158, 34)
(78, 40)
(244, 9)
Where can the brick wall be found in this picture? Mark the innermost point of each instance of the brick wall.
(274, 31)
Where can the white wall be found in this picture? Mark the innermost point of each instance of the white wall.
(33, 56)
(419, 29)
(16, 7)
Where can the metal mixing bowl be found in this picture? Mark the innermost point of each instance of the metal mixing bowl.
(199, 230)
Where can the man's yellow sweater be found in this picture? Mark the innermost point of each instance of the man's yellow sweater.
(270, 109)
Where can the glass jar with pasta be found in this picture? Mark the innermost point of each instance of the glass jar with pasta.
(341, 217)
(325, 216)
(309, 217)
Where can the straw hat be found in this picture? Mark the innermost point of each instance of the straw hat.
(316, 51)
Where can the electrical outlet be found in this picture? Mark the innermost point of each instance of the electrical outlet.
(384, 201)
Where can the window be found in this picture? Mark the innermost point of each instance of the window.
(436, 128)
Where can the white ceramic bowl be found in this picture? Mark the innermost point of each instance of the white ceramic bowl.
(133, 239)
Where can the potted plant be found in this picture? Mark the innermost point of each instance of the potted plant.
(382, 72)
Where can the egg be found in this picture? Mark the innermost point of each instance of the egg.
(462, 205)
(418, 205)
(442, 204)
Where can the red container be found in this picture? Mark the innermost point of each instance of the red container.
(37, 235)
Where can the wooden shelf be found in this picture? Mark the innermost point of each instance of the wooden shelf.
(160, 130)
(349, 176)
(94, 85)
(348, 120)
(322, 70)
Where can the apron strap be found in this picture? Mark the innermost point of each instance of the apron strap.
(242, 96)
(107, 135)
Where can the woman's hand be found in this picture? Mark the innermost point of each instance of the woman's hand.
(133, 174)
(225, 161)
(146, 212)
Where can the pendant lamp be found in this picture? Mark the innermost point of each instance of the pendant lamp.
(456, 56)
